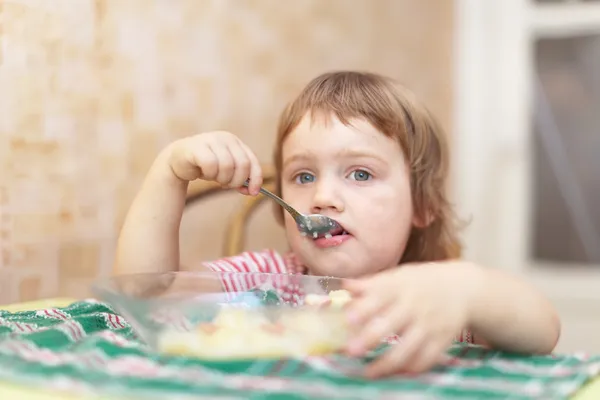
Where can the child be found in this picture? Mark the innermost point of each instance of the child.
(360, 149)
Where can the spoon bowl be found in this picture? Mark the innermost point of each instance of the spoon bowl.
(317, 225)
(314, 225)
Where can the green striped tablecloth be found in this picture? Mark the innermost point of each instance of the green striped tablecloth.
(87, 347)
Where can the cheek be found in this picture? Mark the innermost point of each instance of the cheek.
(299, 198)
(387, 235)
(388, 224)
(393, 201)
(288, 221)
(287, 193)
(391, 221)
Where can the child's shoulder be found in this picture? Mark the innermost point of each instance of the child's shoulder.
(264, 261)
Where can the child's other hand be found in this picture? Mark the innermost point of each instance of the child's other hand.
(216, 156)
(427, 304)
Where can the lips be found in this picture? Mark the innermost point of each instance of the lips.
(336, 232)
(340, 230)
(333, 238)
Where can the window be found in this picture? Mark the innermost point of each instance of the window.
(527, 132)
(564, 1)
(566, 150)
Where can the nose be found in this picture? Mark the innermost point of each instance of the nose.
(327, 197)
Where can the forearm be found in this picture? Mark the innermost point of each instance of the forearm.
(149, 238)
(512, 315)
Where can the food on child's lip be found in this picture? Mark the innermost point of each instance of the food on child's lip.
(335, 298)
(239, 333)
(337, 231)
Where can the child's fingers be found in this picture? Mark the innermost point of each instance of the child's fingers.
(356, 287)
(363, 306)
(242, 164)
(206, 160)
(243, 190)
(400, 355)
(370, 336)
(393, 320)
(255, 175)
(225, 163)
(427, 357)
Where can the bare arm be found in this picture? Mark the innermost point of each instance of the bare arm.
(149, 239)
(511, 315)
(428, 303)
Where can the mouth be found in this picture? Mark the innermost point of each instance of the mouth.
(332, 239)
(339, 231)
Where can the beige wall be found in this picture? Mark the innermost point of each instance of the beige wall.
(91, 90)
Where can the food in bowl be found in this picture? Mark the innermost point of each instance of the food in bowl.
(238, 333)
(335, 298)
(192, 314)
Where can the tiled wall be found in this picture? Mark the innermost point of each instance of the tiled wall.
(90, 90)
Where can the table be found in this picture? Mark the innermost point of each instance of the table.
(11, 391)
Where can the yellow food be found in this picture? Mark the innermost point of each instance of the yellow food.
(337, 298)
(244, 334)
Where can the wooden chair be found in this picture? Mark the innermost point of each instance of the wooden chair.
(235, 232)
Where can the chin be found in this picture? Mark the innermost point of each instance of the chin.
(337, 268)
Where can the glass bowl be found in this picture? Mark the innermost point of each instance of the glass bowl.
(198, 314)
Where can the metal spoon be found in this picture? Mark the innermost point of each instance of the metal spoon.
(314, 225)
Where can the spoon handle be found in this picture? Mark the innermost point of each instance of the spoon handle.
(295, 214)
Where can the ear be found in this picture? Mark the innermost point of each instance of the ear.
(422, 221)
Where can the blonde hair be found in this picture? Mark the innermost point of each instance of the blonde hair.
(395, 112)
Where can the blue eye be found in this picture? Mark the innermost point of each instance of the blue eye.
(304, 178)
(360, 175)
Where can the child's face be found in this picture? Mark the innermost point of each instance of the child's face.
(359, 177)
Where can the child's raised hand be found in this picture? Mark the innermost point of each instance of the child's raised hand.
(427, 304)
(216, 156)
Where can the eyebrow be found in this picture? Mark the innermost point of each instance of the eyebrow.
(345, 153)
